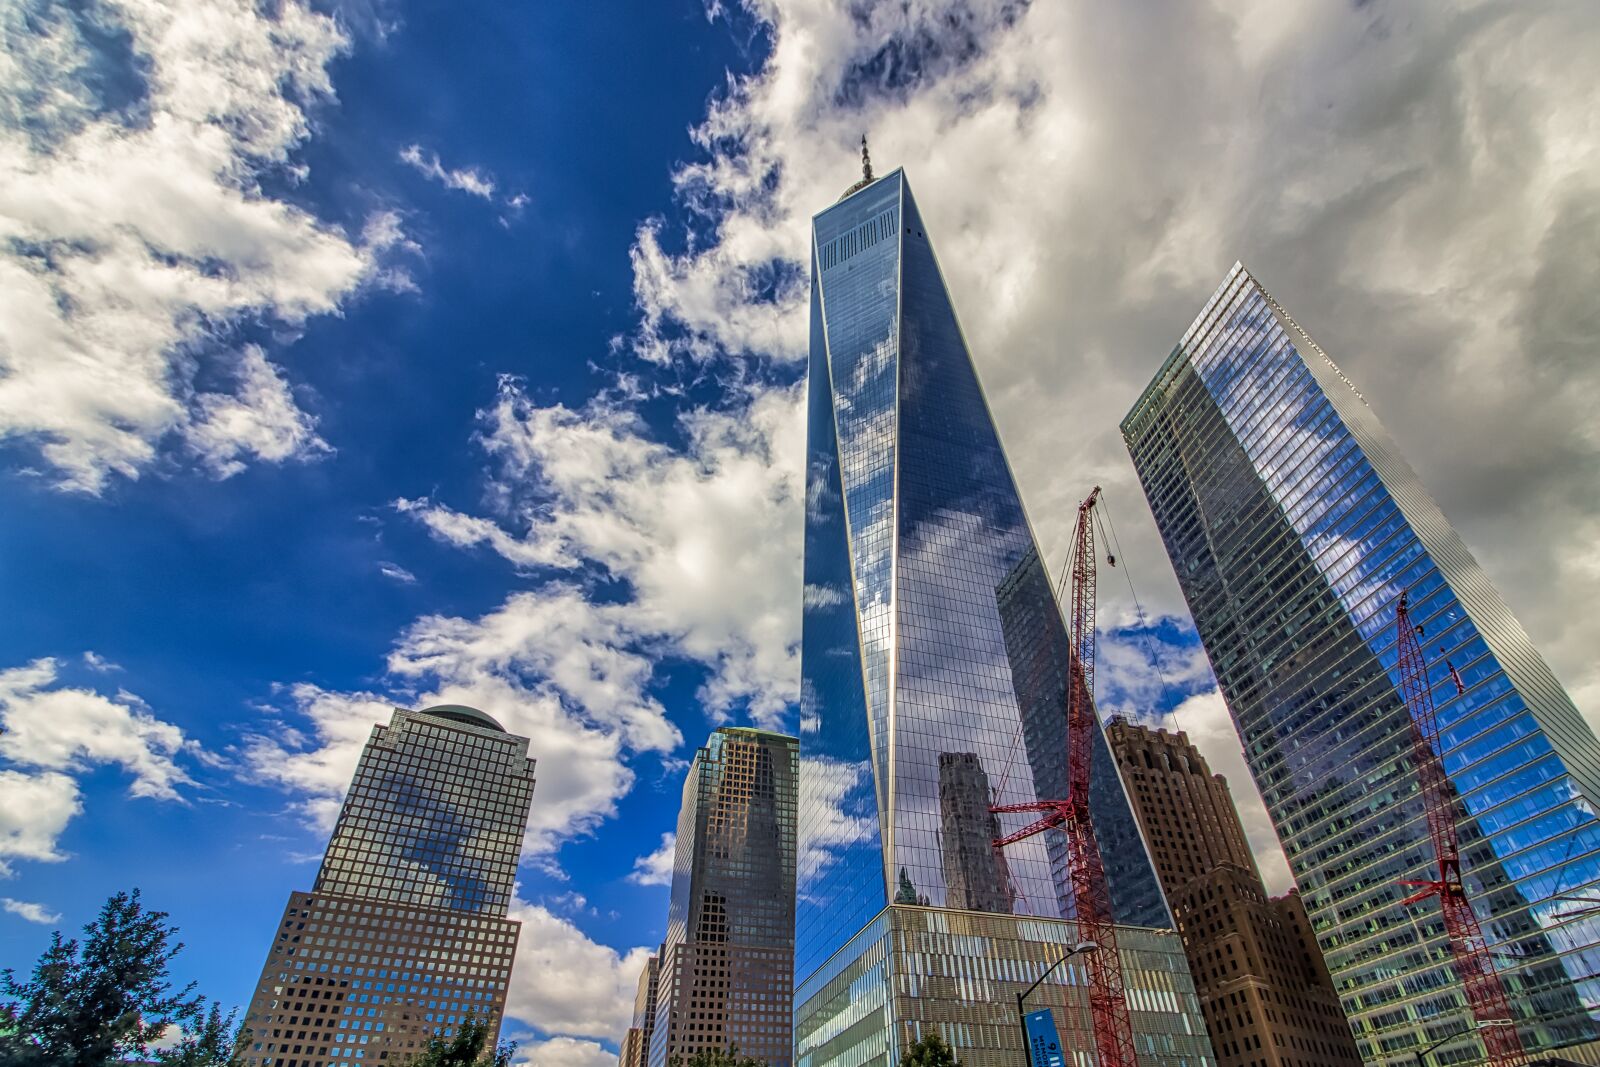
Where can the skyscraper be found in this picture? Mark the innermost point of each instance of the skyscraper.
(635, 1050)
(726, 968)
(1294, 525)
(404, 933)
(933, 666)
(1263, 986)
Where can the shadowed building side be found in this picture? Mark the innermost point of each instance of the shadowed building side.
(1262, 983)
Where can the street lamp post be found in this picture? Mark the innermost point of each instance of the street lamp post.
(1022, 1012)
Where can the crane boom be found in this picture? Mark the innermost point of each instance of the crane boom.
(1486, 995)
(1108, 1002)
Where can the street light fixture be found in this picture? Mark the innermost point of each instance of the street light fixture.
(1080, 949)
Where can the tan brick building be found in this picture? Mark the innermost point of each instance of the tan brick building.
(405, 933)
(1263, 986)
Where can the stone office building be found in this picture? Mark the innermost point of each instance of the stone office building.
(1264, 989)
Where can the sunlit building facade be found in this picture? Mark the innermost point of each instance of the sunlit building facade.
(404, 934)
(726, 969)
(933, 665)
(1294, 524)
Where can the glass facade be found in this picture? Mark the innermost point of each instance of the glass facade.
(915, 970)
(1294, 524)
(726, 973)
(435, 815)
(933, 658)
(405, 934)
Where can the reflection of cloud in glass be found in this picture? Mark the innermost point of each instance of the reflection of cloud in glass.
(838, 801)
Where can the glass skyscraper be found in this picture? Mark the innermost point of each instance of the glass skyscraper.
(934, 667)
(1294, 525)
(404, 933)
(726, 972)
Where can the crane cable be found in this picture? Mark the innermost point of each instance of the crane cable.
(1144, 629)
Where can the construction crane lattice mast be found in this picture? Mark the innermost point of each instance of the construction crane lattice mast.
(1486, 994)
(1108, 1002)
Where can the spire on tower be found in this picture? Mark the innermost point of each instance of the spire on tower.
(866, 161)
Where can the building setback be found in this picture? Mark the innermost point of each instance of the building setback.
(1294, 525)
(726, 967)
(635, 1051)
(404, 933)
(933, 680)
(1263, 987)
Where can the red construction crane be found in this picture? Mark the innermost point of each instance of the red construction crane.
(1485, 993)
(1108, 1003)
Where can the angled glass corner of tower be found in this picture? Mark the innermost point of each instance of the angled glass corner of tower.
(1294, 524)
(933, 655)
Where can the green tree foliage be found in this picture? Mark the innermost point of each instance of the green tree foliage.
(105, 999)
(214, 1040)
(465, 1048)
(931, 1051)
(717, 1057)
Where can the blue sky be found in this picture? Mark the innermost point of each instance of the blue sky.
(369, 354)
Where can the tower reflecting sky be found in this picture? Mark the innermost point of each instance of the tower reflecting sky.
(1294, 524)
(934, 665)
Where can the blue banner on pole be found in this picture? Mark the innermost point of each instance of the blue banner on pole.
(1044, 1044)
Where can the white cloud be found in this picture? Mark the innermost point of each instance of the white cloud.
(465, 179)
(37, 810)
(707, 538)
(34, 913)
(566, 984)
(134, 234)
(564, 1052)
(548, 665)
(396, 572)
(656, 868)
(260, 421)
(50, 733)
(96, 662)
(65, 729)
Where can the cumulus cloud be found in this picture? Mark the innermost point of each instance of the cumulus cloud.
(656, 868)
(66, 729)
(259, 421)
(1424, 203)
(37, 810)
(135, 232)
(468, 180)
(547, 664)
(564, 1052)
(50, 733)
(706, 538)
(566, 984)
(29, 911)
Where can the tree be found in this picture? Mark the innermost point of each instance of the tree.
(465, 1048)
(107, 1001)
(931, 1051)
(217, 1041)
(717, 1057)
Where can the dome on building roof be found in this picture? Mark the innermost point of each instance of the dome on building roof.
(464, 715)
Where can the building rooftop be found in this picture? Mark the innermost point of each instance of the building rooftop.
(462, 714)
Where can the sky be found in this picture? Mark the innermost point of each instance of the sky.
(365, 354)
